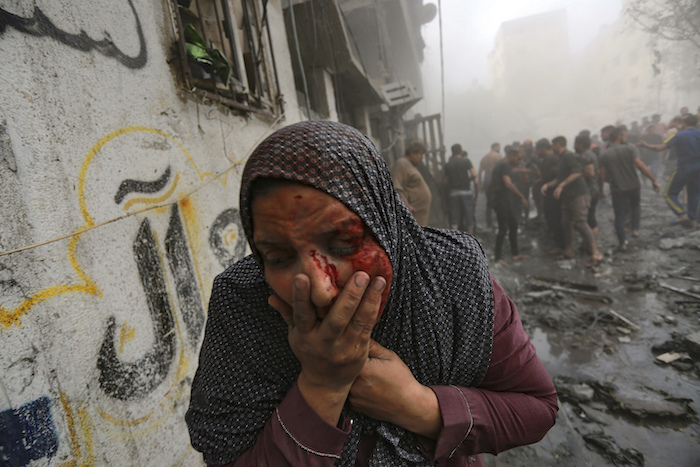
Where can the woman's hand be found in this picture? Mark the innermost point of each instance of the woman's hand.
(332, 351)
(387, 390)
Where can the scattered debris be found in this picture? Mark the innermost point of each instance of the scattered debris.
(639, 281)
(653, 407)
(623, 319)
(669, 357)
(688, 241)
(649, 405)
(539, 294)
(611, 389)
(570, 283)
(608, 447)
(680, 291)
(583, 293)
(686, 278)
(692, 343)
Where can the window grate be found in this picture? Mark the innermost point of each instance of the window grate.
(226, 53)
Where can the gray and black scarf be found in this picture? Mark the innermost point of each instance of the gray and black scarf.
(438, 317)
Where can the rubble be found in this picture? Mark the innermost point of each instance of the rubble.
(649, 405)
(691, 240)
(607, 446)
(669, 357)
(680, 291)
(595, 328)
(692, 343)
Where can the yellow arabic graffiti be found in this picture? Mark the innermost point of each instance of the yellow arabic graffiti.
(82, 417)
(11, 316)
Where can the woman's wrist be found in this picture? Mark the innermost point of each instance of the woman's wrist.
(326, 401)
(425, 418)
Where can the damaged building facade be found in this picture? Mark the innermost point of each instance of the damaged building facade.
(124, 127)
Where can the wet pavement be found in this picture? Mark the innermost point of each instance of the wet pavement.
(599, 331)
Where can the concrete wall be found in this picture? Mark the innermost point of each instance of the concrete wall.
(99, 332)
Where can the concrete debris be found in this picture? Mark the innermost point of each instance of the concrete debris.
(583, 293)
(537, 295)
(679, 344)
(669, 357)
(608, 447)
(692, 344)
(653, 406)
(639, 281)
(670, 243)
(688, 241)
(623, 319)
(649, 405)
(680, 291)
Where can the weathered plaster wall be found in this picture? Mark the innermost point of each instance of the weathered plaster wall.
(99, 332)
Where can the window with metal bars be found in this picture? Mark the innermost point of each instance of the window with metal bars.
(226, 53)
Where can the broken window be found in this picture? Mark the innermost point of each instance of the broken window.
(226, 53)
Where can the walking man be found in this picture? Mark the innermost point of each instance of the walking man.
(687, 174)
(486, 166)
(502, 186)
(618, 166)
(459, 175)
(549, 167)
(571, 189)
(589, 165)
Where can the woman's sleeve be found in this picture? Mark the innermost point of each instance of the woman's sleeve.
(296, 435)
(515, 404)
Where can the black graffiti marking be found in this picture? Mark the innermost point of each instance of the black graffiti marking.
(185, 280)
(28, 433)
(128, 381)
(227, 255)
(40, 25)
(137, 186)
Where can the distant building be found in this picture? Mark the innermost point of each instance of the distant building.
(631, 73)
(530, 60)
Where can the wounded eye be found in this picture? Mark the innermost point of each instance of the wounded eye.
(343, 251)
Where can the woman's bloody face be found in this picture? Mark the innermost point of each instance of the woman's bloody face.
(301, 230)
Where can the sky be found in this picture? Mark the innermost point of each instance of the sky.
(469, 31)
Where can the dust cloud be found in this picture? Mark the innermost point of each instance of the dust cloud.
(549, 73)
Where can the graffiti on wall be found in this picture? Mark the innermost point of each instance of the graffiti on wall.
(163, 249)
(40, 25)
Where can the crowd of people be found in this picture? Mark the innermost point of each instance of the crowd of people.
(562, 186)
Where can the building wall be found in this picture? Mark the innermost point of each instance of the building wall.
(99, 144)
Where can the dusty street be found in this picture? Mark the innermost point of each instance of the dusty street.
(599, 332)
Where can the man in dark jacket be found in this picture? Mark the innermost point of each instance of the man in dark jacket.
(571, 189)
(460, 174)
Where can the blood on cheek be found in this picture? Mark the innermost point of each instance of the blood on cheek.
(372, 259)
(326, 266)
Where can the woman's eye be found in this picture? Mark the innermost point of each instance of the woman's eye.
(345, 246)
(278, 261)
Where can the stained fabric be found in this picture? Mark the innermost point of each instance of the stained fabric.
(438, 317)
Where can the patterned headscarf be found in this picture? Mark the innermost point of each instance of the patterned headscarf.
(438, 317)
